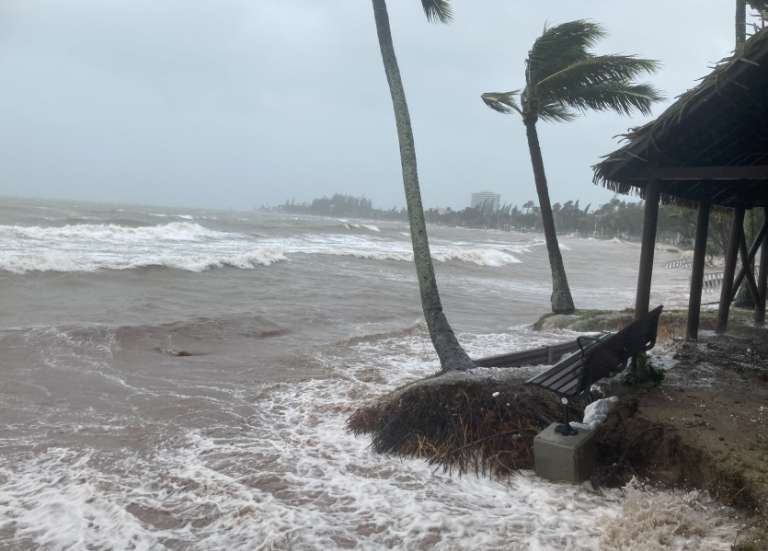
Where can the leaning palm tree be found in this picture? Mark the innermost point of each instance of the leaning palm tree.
(452, 355)
(563, 78)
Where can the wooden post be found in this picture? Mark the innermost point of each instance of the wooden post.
(762, 282)
(749, 269)
(697, 273)
(645, 273)
(753, 249)
(726, 292)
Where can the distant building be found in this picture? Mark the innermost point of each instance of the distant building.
(487, 199)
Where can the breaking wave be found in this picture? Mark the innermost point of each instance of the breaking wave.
(360, 227)
(91, 247)
(112, 233)
(52, 262)
(369, 248)
(479, 256)
(277, 469)
(192, 247)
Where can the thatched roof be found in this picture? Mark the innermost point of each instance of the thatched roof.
(711, 144)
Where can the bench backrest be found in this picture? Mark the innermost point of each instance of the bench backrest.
(613, 354)
(604, 357)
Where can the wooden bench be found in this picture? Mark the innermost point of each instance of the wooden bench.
(545, 355)
(600, 357)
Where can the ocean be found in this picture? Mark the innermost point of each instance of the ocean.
(180, 379)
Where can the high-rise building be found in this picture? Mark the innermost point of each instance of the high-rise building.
(487, 199)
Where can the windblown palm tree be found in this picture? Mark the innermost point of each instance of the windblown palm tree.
(452, 355)
(563, 78)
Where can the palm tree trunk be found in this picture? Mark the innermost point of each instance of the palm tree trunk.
(452, 355)
(744, 298)
(741, 25)
(562, 301)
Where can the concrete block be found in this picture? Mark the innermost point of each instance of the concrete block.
(564, 458)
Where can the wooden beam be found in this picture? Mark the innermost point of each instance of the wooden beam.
(705, 173)
(726, 292)
(746, 262)
(762, 282)
(648, 248)
(751, 257)
(697, 273)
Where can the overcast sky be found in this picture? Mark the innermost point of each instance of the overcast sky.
(242, 103)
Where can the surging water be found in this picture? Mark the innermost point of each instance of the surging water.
(112, 439)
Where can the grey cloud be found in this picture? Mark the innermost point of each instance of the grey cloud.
(238, 103)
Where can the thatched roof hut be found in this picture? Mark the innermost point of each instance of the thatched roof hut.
(711, 144)
(708, 148)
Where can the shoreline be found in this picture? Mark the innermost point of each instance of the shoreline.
(704, 427)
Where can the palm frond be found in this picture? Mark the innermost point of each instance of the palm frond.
(438, 10)
(561, 46)
(503, 102)
(621, 96)
(595, 70)
(556, 112)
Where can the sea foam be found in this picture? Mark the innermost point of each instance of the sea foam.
(284, 473)
(374, 248)
(91, 247)
(192, 247)
(114, 233)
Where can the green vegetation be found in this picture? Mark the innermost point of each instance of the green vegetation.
(563, 78)
(644, 372)
(616, 218)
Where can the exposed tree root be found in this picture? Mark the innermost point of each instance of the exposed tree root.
(463, 422)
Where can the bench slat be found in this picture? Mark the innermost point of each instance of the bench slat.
(601, 357)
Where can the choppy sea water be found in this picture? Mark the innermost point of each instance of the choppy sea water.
(180, 380)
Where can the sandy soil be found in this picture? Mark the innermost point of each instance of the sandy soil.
(705, 426)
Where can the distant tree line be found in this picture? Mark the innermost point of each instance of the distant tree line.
(616, 218)
(341, 205)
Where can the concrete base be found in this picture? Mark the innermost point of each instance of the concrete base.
(564, 458)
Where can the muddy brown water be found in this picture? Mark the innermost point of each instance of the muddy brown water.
(180, 380)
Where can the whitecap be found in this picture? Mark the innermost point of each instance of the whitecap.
(375, 248)
(114, 233)
(92, 247)
(289, 475)
(367, 227)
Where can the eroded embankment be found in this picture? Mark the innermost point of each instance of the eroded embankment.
(704, 427)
